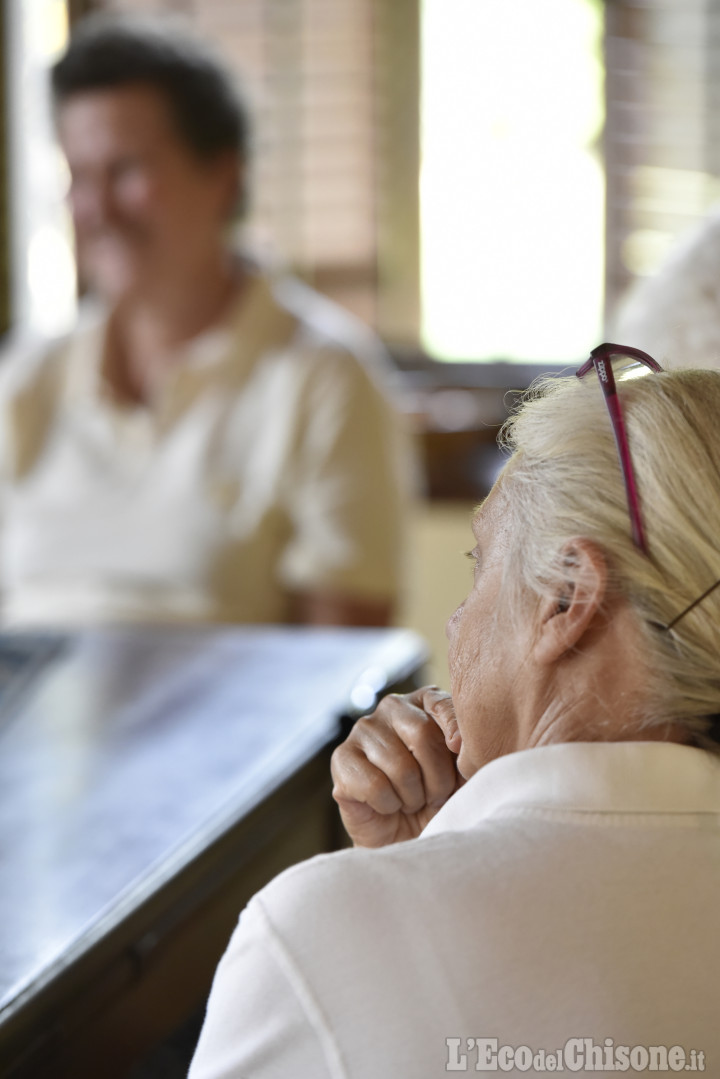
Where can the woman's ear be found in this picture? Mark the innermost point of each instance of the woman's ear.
(567, 614)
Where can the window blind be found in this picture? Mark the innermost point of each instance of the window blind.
(661, 139)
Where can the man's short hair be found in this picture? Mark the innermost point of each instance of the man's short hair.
(108, 51)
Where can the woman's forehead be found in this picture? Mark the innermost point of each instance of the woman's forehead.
(488, 514)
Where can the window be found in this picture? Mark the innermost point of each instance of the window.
(4, 216)
(43, 277)
(512, 185)
(565, 145)
(662, 140)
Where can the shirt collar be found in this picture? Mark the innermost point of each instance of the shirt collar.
(256, 322)
(587, 777)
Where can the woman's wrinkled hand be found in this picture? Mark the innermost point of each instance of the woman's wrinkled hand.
(397, 767)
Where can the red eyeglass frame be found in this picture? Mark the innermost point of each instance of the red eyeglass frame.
(600, 358)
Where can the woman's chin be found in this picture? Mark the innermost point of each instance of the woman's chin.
(465, 766)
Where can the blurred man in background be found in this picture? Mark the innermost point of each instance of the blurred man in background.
(209, 444)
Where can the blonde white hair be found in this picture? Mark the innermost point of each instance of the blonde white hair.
(564, 480)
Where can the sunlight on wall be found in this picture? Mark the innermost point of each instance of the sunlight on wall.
(512, 185)
(44, 279)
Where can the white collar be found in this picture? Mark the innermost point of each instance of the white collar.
(587, 777)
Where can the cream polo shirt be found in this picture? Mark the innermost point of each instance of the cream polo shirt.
(269, 462)
(565, 893)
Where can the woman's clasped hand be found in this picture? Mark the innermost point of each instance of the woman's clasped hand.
(397, 767)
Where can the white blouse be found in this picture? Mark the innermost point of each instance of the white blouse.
(564, 900)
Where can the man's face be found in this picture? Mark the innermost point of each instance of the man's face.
(144, 207)
(486, 649)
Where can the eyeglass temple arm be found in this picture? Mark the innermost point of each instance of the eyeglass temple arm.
(607, 380)
(618, 425)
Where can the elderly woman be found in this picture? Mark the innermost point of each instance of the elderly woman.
(549, 879)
